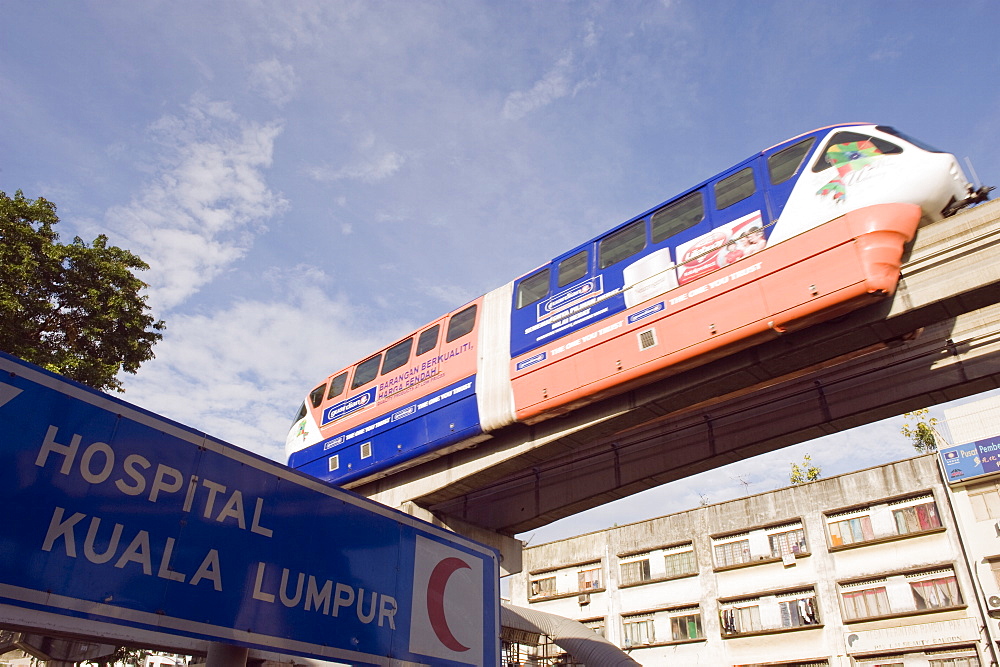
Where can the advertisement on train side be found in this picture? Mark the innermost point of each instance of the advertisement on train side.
(644, 276)
(117, 517)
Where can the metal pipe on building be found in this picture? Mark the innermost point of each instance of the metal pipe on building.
(575, 638)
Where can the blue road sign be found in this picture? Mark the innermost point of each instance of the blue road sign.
(116, 515)
(971, 459)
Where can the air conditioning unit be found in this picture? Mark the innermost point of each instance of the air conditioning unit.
(583, 598)
(993, 602)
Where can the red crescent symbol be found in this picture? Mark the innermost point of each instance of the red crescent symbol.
(435, 601)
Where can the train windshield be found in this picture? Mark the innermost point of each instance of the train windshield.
(844, 147)
(916, 142)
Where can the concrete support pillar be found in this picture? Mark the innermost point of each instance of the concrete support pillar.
(226, 655)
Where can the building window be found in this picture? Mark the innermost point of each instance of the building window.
(636, 571)
(865, 603)
(985, 499)
(589, 579)
(680, 563)
(740, 620)
(595, 624)
(686, 626)
(994, 563)
(850, 531)
(936, 593)
(957, 661)
(638, 630)
(790, 542)
(917, 517)
(901, 594)
(732, 553)
(798, 612)
(794, 609)
(544, 586)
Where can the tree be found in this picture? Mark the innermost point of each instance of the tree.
(922, 435)
(74, 308)
(807, 472)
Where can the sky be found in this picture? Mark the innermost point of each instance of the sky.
(311, 180)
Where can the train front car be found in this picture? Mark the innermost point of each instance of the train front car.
(799, 233)
(864, 165)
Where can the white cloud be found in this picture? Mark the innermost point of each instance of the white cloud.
(239, 372)
(206, 200)
(369, 168)
(274, 81)
(555, 84)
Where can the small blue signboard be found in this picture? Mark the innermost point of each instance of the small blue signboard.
(972, 459)
(113, 514)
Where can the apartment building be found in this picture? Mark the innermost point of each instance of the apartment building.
(866, 568)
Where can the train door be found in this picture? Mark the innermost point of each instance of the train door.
(572, 280)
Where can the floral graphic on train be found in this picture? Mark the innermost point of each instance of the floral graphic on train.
(302, 432)
(847, 157)
(721, 247)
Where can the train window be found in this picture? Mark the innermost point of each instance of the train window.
(678, 216)
(533, 288)
(905, 137)
(316, 395)
(301, 413)
(783, 164)
(428, 339)
(461, 323)
(734, 188)
(572, 268)
(337, 386)
(622, 244)
(845, 147)
(366, 371)
(397, 355)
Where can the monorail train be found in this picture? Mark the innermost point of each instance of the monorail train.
(796, 234)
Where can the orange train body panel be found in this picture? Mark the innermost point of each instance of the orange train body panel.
(818, 275)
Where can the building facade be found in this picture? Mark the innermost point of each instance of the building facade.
(866, 568)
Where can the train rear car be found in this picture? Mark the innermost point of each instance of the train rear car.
(394, 406)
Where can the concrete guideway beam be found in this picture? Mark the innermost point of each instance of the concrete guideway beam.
(933, 369)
